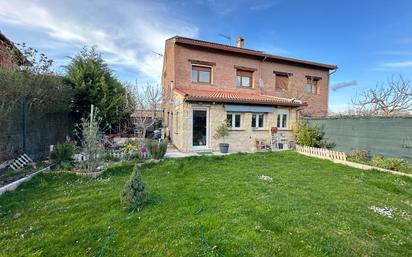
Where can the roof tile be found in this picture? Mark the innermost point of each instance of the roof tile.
(226, 96)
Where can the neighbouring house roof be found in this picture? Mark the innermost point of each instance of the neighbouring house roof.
(22, 61)
(250, 52)
(225, 96)
(146, 113)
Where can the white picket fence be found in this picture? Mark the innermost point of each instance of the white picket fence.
(120, 155)
(321, 153)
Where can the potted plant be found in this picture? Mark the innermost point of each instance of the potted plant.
(221, 132)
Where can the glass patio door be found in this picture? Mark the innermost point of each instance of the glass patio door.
(199, 133)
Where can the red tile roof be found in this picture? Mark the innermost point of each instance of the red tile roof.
(250, 52)
(224, 96)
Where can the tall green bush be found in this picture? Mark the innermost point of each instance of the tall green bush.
(306, 134)
(157, 149)
(35, 85)
(134, 194)
(94, 83)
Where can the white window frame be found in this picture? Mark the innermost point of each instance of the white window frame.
(233, 114)
(196, 108)
(256, 125)
(281, 113)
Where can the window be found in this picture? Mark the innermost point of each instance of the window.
(201, 74)
(282, 81)
(234, 120)
(244, 78)
(312, 86)
(257, 120)
(282, 121)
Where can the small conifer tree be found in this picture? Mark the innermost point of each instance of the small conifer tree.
(134, 195)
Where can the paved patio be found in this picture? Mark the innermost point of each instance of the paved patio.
(173, 152)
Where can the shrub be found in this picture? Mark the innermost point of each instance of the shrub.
(157, 149)
(62, 154)
(134, 195)
(92, 140)
(306, 134)
(360, 156)
(390, 163)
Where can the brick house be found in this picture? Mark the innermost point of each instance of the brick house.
(205, 83)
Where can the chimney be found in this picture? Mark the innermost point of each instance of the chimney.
(240, 42)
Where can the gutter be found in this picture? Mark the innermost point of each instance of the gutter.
(333, 71)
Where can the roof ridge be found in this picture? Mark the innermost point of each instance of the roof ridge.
(198, 42)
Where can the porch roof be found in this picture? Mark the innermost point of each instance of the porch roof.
(225, 96)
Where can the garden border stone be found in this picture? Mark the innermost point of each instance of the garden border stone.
(13, 185)
(82, 174)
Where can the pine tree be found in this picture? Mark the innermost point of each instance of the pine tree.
(134, 195)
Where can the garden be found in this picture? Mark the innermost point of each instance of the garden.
(263, 204)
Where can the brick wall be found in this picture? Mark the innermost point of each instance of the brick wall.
(6, 61)
(224, 74)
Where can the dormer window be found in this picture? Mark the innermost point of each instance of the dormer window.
(244, 78)
(201, 74)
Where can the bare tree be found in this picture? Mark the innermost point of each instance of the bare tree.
(388, 99)
(145, 101)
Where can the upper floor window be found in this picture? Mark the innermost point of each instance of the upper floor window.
(234, 120)
(282, 81)
(244, 78)
(257, 120)
(201, 74)
(312, 85)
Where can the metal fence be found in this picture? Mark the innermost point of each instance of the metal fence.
(389, 137)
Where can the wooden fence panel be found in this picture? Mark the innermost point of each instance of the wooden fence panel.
(322, 153)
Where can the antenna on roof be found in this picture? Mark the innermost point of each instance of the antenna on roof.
(159, 54)
(228, 38)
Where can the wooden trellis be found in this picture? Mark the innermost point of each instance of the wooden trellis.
(21, 162)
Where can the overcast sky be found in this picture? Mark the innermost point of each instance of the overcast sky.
(368, 40)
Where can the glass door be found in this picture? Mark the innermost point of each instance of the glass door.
(199, 133)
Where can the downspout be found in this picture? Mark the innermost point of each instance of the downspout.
(260, 71)
(336, 69)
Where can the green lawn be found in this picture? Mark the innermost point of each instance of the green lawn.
(213, 206)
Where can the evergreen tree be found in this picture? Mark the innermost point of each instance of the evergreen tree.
(94, 83)
(134, 195)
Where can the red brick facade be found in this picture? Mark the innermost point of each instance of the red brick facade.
(6, 60)
(180, 56)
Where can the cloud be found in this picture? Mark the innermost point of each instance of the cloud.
(224, 7)
(262, 6)
(125, 31)
(346, 84)
(401, 64)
